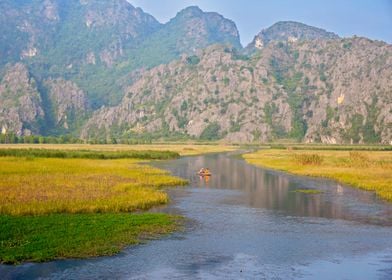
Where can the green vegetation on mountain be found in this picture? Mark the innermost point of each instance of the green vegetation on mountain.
(96, 44)
(107, 72)
(279, 92)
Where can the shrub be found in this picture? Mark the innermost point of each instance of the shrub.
(211, 132)
(308, 159)
(359, 159)
(193, 60)
(347, 45)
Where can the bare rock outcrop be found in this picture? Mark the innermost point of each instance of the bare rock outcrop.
(330, 91)
(68, 102)
(21, 109)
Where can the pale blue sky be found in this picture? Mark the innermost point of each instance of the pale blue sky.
(369, 18)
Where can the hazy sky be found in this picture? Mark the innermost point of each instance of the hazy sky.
(369, 18)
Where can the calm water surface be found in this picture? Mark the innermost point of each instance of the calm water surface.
(249, 223)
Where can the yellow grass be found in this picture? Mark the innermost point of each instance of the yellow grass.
(366, 170)
(41, 185)
(182, 149)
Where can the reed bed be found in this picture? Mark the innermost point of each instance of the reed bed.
(182, 149)
(37, 186)
(91, 154)
(59, 236)
(308, 159)
(329, 147)
(368, 170)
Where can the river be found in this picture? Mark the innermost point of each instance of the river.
(247, 222)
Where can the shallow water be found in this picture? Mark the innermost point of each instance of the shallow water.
(249, 223)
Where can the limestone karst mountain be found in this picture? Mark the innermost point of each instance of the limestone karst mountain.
(107, 70)
(99, 46)
(290, 31)
(330, 91)
(98, 43)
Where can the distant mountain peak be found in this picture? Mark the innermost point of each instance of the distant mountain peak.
(199, 29)
(62, 60)
(191, 11)
(290, 31)
(302, 30)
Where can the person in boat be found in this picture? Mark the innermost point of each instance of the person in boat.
(202, 170)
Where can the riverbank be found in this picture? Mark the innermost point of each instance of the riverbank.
(183, 149)
(66, 203)
(247, 222)
(40, 186)
(368, 170)
(59, 236)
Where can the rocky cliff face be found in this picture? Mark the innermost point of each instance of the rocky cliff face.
(288, 31)
(60, 61)
(82, 41)
(21, 109)
(332, 91)
(197, 29)
(68, 103)
(27, 107)
(349, 91)
(97, 43)
(40, 26)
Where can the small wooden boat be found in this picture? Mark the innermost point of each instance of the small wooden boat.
(204, 173)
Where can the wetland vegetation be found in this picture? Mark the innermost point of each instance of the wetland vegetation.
(369, 170)
(308, 191)
(36, 186)
(58, 236)
(184, 149)
(58, 203)
(52, 153)
(62, 201)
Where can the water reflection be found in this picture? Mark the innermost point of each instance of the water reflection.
(247, 223)
(204, 179)
(261, 188)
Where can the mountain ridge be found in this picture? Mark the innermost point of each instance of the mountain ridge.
(275, 94)
(287, 80)
(288, 31)
(96, 44)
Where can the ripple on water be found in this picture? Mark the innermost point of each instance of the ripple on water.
(248, 223)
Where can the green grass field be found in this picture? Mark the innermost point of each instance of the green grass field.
(182, 149)
(36, 186)
(78, 202)
(368, 170)
(59, 236)
(91, 154)
(325, 147)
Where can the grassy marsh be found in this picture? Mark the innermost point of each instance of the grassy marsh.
(36, 186)
(59, 236)
(328, 147)
(76, 203)
(182, 149)
(91, 154)
(61, 201)
(307, 191)
(368, 170)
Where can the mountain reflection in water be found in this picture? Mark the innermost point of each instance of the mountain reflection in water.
(246, 222)
(262, 188)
